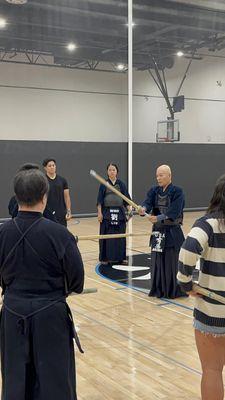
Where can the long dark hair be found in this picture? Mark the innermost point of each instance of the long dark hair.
(217, 202)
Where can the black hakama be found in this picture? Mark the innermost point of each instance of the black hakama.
(37, 354)
(164, 274)
(112, 249)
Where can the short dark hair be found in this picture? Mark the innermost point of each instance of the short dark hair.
(47, 160)
(28, 166)
(30, 186)
(113, 165)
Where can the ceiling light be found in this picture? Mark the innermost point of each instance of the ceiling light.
(120, 67)
(71, 46)
(180, 53)
(133, 24)
(17, 1)
(2, 23)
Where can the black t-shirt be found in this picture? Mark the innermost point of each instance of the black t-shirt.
(56, 201)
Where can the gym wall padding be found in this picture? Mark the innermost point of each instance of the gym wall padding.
(74, 161)
(195, 167)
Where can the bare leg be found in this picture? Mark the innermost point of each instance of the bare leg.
(211, 352)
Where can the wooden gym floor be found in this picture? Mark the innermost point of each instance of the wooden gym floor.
(136, 347)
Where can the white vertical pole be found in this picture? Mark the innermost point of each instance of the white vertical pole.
(130, 94)
(130, 127)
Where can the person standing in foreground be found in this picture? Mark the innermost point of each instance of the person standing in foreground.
(165, 202)
(40, 265)
(58, 197)
(13, 204)
(206, 241)
(112, 218)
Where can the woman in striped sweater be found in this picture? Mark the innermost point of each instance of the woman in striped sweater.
(206, 241)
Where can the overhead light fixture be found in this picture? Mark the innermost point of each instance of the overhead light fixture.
(17, 1)
(120, 67)
(133, 24)
(2, 23)
(180, 53)
(71, 46)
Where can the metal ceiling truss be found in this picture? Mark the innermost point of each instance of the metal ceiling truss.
(98, 28)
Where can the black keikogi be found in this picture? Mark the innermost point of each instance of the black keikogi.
(38, 260)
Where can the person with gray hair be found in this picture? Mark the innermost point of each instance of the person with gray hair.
(165, 202)
(13, 204)
(40, 265)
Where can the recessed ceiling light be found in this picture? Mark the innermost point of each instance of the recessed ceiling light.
(2, 23)
(17, 1)
(180, 53)
(120, 67)
(71, 46)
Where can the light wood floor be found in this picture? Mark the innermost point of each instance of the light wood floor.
(136, 347)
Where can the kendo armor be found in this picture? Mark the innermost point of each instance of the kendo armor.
(161, 206)
(111, 199)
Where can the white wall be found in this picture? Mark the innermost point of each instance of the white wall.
(41, 103)
(203, 119)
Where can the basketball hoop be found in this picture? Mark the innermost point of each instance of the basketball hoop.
(164, 140)
(168, 131)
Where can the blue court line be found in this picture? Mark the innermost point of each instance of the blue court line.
(175, 303)
(167, 301)
(162, 304)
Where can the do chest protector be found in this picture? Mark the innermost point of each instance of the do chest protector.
(161, 207)
(111, 199)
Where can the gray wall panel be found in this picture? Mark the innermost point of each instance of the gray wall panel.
(195, 167)
(74, 161)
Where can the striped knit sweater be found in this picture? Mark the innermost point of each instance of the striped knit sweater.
(206, 241)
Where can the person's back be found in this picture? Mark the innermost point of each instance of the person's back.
(207, 238)
(206, 241)
(39, 264)
(40, 257)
